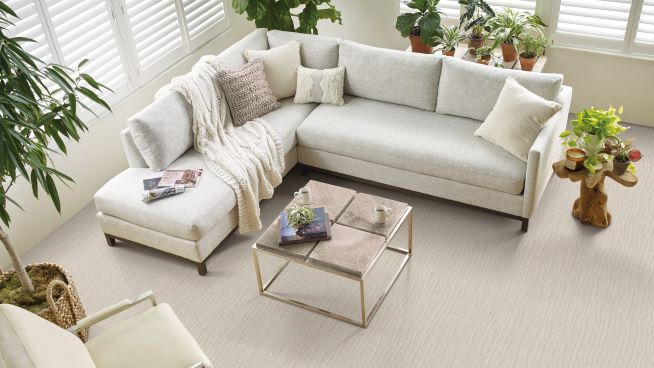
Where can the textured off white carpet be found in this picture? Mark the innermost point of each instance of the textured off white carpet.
(477, 293)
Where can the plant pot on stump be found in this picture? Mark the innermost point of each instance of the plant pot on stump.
(416, 43)
(55, 298)
(509, 52)
(620, 167)
(527, 63)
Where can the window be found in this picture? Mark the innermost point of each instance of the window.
(644, 41)
(524, 5)
(449, 7)
(128, 42)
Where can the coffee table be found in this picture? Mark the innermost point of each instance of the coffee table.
(356, 245)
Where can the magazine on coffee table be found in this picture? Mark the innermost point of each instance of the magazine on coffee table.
(318, 229)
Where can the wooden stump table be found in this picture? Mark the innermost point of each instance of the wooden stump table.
(590, 207)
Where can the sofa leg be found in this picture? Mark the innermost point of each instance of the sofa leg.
(111, 241)
(202, 268)
(304, 171)
(525, 224)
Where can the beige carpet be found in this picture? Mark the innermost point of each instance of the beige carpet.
(477, 293)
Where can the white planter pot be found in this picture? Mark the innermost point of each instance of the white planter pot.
(593, 144)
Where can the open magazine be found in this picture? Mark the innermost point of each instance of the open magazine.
(170, 183)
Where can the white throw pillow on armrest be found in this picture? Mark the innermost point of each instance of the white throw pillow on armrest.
(516, 119)
(322, 86)
(280, 65)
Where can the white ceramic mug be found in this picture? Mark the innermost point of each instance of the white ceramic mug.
(382, 213)
(303, 195)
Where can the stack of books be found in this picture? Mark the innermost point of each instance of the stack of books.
(318, 229)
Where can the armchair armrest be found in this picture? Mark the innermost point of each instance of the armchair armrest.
(112, 310)
(544, 152)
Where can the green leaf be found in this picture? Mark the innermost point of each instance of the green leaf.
(82, 63)
(240, 6)
(52, 192)
(90, 81)
(420, 5)
(430, 27)
(406, 22)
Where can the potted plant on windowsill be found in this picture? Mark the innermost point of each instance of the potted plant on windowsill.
(624, 154)
(484, 55)
(281, 14)
(474, 18)
(532, 48)
(509, 26)
(422, 26)
(449, 41)
(39, 106)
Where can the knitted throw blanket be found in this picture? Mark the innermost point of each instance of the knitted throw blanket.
(249, 158)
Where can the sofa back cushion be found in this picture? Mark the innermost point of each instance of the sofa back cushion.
(393, 76)
(163, 131)
(471, 90)
(255, 40)
(316, 52)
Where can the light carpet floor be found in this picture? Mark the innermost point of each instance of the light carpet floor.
(476, 293)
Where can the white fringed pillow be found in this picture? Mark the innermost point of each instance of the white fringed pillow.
(322, 86)
(280, 65)
(516, 119)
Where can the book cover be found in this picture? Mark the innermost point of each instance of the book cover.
(318, 229)
(151, 183)
(187, 178)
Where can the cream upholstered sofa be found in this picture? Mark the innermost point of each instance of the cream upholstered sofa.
(152, 339)
(408, 122)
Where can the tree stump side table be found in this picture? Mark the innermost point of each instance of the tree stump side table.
(590, 207)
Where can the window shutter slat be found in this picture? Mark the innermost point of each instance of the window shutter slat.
(451, 8)
(523, 5)
(201, 15)
(29, 25)
(645, 32)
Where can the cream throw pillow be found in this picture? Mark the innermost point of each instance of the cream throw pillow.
(280, 65)
(322, 86)
(516, 119)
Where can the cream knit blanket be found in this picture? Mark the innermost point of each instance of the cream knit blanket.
(249, 158)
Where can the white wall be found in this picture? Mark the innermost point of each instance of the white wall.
(99, 154)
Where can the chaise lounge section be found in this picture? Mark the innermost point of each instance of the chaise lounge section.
(408, 122)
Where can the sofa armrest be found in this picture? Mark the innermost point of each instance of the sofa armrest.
(134, 158)
(111, 311)
(543, 153)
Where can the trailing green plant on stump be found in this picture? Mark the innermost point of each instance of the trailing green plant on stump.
(33, 114)
(425, 21)
(279, 14)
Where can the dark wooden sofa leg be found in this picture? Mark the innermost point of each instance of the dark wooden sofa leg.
(202, 268)
(525, 224)
(111, 241)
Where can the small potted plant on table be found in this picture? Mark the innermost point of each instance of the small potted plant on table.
(421, 26)
(532, 48)
(509, 26)
(474, 17)
(449, 41)
(624, 154)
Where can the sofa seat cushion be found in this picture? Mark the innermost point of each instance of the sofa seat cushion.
(286, 119)
(154, 338)
(412, 139)
(189, 215)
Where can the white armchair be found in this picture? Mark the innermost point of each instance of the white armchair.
(154, 338)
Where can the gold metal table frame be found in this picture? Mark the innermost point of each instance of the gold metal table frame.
(407, 216)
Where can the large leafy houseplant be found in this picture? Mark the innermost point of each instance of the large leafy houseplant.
(509, 26)
(474, 18)
(280, 14)
(424, 22)
(39, 105)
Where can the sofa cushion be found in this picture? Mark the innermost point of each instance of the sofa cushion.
(412, 139)
(280, 65)
(286, 119)
(233, 55)
(471, 90)
(189, 215)
(316, 52)
(163, 131)
(400, 77)
(322, 86)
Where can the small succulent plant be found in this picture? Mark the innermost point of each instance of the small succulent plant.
(299, 215)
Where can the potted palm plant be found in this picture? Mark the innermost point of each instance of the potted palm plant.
(39, 105)
(474, 18)
(509, 26)
(532, 48)
(422, 26)
(449, 41)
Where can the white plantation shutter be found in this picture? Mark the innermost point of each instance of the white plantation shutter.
(156, 33)
(645, 33)
(83, 30)
(595, 24)
(523, 5)
(450, 8)
(29, 25)
(202, 16)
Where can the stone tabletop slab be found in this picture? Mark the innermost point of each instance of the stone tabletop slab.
(359, 214)
(350, 250)
(332, 197)
(269, 240)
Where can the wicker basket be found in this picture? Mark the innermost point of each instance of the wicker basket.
(67, 309)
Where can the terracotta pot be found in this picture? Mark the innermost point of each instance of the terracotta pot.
(475, 43)
(527, 64)
(418, 46)
(620, 167)
(509, 53)
(574, 159)
(484, 60)
(449, 52)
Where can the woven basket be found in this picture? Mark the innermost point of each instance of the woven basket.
(67, 309)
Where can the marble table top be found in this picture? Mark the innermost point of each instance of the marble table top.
(332, 197)
(360, 214)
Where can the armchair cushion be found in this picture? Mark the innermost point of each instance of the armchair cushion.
(162, 341)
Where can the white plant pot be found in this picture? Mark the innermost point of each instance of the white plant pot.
(594, 144)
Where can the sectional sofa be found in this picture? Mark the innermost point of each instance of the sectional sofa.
(407, 122)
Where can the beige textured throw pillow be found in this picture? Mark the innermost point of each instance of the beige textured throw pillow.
(247, 92)
(280, 65)
(516, 119)
(322, 86)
